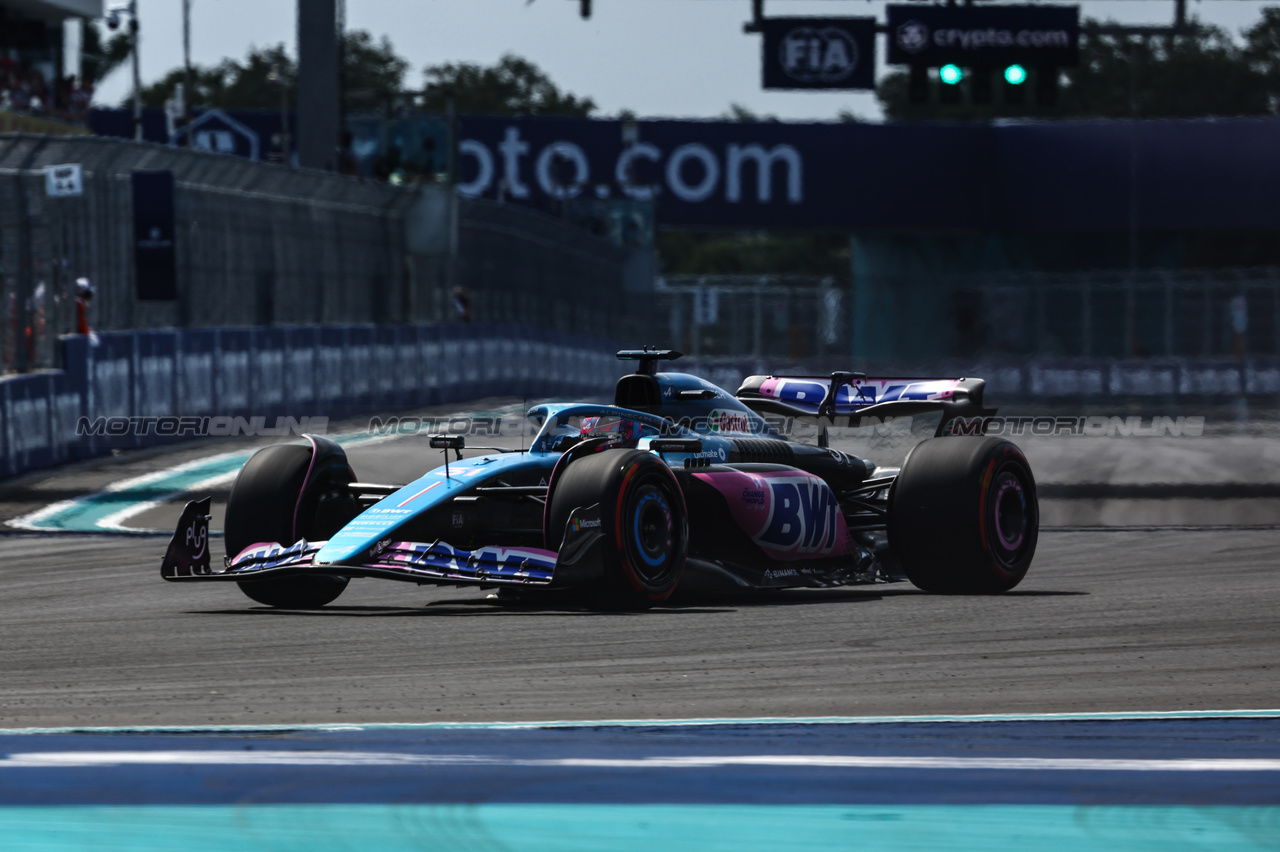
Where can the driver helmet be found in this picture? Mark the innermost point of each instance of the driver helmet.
(623, 431)
(562, 437)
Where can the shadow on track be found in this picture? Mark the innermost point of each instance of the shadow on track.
(689, 604)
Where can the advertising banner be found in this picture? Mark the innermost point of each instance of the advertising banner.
(153, 233)
(983, 36)
(819, 53)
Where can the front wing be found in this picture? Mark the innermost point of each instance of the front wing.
(411, 561)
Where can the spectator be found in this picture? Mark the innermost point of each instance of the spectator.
(84, 294)
(24, 88)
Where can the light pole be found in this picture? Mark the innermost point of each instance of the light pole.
(114, 12)
(186, 71)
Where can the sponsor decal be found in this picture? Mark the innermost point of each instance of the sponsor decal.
(274, 555)
(935, 35)
(561, 169)
(753, 497)
(578, 524)
(913, 37)
(512, 561)
(805, 516)
(197, 537)
(727, 420)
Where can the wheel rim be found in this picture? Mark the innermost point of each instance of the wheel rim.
(652, 533)
(1011, 516)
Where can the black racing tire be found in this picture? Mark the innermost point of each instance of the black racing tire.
(268, 502)
(963, 515)
(643, 517)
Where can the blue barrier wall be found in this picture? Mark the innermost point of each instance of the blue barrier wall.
(330, 371)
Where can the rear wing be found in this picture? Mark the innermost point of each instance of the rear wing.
(849, 399)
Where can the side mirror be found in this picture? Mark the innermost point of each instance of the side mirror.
(448, 442)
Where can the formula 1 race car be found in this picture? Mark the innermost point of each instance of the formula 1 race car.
(677, 486)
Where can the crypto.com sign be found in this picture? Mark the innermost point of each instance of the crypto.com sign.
(721, 172)
(978, 36)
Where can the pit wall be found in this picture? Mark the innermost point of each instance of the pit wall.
(308, 371)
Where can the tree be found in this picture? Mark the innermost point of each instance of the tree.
(514, 86)
(231, 84)
(370, 70)
(98, 58)
(1262, 53)
(1200, 72)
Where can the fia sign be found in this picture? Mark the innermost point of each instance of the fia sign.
(819, 53)
(64, 181)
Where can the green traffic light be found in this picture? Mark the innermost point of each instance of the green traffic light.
(950, 74)
(1015, 75)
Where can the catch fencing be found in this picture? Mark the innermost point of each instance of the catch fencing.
(1194, 314)
(264, 245)
(791, 317)
(1100, 315)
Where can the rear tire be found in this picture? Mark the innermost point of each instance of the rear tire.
(643, 518)
(963, 515)
(274, 500)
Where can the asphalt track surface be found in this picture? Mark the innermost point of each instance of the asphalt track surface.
(1137, 619)
(1134, 617)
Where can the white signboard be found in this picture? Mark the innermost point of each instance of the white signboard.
(63, 181)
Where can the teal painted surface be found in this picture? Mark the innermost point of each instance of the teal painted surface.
(637, 828)
(83, 514)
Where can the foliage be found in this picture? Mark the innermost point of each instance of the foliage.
(373, 79)
(252, 84)
(98, 58)
(514, 86)
(371, 70)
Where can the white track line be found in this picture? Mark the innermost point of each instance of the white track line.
(77, 759)
(1131, 716)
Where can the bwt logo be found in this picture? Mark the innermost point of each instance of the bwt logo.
(812, 55)
(692, 172)
(805, 517)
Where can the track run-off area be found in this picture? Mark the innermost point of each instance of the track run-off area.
(138, 714)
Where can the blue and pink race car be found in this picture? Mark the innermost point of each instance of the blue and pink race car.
(677, 487)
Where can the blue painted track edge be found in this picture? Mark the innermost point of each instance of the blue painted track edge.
(1138, 715)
